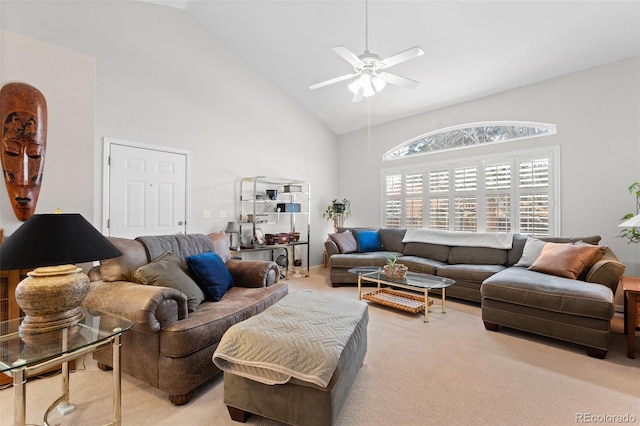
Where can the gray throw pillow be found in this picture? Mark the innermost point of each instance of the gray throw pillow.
(345, 241)
(168, 271)
(532, 249)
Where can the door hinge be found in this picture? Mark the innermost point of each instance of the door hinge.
(108, 223)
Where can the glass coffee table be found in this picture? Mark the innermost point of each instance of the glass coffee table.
(413, 281)
(24, 353)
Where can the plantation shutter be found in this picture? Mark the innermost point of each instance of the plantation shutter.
(393, 201)
(414, 184)
(465, 199)
(439, 199)
(497, 201)
(533, 196)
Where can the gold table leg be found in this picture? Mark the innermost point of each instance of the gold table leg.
(426, 305)
(117, 379)
(444, 306)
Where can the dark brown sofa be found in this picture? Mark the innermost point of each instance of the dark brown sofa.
(168, 347)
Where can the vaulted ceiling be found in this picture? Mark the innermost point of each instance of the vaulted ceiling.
(472, 48)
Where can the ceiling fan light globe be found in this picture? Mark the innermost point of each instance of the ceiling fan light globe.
(378, 83)
(354, 86)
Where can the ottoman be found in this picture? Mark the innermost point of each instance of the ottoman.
(287, 393)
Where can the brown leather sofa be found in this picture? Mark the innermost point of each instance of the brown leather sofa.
(168, 347)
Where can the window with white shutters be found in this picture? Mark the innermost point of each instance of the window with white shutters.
(512, 193)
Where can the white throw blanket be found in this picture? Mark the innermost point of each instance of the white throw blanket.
(499, 240)
(301, 336)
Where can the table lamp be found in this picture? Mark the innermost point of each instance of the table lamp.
(232, 228)
(51, 294)
(632, 234)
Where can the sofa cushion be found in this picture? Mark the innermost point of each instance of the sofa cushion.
(469, 273)
(421, 264)
(524, 287)
(477, 256)
(221, 245)
(566, 260)
(211, 274)
(428, 251)
(354, 260)
(532, 249)
(368, 240)
(590, 239)
(123, 268)
(515, 252)
(345, 241)
(205, 327)
(168, 271)
(391, 238)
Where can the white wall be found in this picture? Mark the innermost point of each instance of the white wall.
(164, 80)
(67, 81)
(597, 113)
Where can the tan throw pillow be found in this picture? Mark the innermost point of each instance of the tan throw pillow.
(221, 245)
(566, 260)
(345, 241)
(168, 271)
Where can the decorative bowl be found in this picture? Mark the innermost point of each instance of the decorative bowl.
(396, 273)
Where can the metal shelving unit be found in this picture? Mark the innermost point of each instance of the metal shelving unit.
(263, 214)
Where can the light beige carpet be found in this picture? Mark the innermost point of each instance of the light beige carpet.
(448, 372)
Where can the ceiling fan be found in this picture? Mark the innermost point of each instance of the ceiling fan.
(369, 69)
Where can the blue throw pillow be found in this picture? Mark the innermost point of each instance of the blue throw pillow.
(368, 241)
(211, 274)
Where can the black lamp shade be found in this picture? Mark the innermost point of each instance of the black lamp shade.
(54, 239)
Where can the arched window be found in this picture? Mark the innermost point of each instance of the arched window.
(466, 135)
(513, 191)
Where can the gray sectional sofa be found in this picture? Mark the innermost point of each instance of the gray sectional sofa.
(577, 308)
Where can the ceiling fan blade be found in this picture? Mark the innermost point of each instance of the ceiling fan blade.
(414, 52)
(333, 80)
(396, 80)
(347, 54)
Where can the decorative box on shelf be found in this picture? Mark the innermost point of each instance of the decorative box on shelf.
(293, 188)
(288, 207)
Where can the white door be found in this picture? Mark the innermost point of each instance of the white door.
(147, 189)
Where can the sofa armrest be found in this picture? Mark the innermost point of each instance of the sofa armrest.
(606, 271)
(331, 247)
(150, 308)
(253, 273)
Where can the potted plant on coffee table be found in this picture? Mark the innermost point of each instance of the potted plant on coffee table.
(394, 270)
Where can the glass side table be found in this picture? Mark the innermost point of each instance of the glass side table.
(23, 354)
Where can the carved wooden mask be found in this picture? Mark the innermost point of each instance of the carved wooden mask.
(23, 111)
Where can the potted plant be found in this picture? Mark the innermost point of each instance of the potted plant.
(338, 211)
(632, 234)
(394, 270)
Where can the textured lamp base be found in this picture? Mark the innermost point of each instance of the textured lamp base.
(51, 297)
